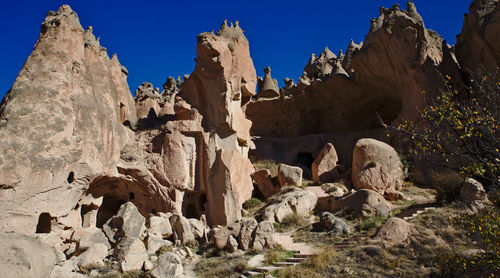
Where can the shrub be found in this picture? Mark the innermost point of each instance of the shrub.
(459, 130)
(291, 221)
(485, 224)
(252, 204)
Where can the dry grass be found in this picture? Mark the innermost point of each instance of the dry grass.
(222, 266)
(268, 164)
(291, 222)
(316, 266)
(278, 254)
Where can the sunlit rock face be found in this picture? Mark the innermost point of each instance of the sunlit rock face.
(62, 123)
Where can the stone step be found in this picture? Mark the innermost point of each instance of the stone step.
(284, 264)
(251, 273)
(296, 260)
(303, 255)
(263, 269)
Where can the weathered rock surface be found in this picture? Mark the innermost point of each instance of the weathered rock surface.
(74, 100)
(94, 255)
(268, 87)
(478, 45)
(363, 203)
(245, 237)
(263, 236)
(127, 223)
(297, 201)
(160, 225)
(394, 231)
(324, 166)
(169, 265)
(181, 229)
(131, 253)
(376, 166)
(262, 179)
(384, 76)
(289, 175)
(24, 256)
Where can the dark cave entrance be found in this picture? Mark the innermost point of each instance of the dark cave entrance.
(109, 208)
(43, 226)
(305, 158)
(193, 204)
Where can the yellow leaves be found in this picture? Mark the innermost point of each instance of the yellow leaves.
(448, 77)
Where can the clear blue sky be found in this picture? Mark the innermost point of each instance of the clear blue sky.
(155, 39)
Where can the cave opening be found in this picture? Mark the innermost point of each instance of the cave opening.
(71, 177)
(193, 204)
(109, 208)
(43, 226)
(305, 158)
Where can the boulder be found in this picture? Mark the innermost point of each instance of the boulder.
(128, 222)
(219, 237)
(94, 255)
(324, 166)
(197, 227)
(245, 237)
(154, 243)
(297, 201)
(363, 203)
(24, 256)
(131, 253)
(169, 265)
(394, 231)
(262, 179)
(232, 244)
(181, 229)
(335, 189)
(87, 237)
(263, 236)
(333, 224)
(376, 166)
(472, 191)
(160, 226)
(289, 175)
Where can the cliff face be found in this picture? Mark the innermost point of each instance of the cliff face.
(478, 45)
(383, 76)
(61, 123)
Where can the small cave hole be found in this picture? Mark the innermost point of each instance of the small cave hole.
(131, 196)
(43, 226)
(71, 177)
(306, 159)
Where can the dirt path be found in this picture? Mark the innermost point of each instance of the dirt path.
(317, 190)
(286, 240)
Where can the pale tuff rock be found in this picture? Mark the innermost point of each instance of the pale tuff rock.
(76, 129)
(289, 175)
(296, 201)
(131, 253)
(363, 203)
(394, 231)
(262, 179)
(169, 265)
(324, 167)
(376, 166)
(127, 223)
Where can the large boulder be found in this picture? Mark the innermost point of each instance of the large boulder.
(24, 256)
(376, 166)
(65, 118)
(181, 228)
(394, 231)
(245, 236)
(263, 236)
(289, 175)
(169, 265)
(94, 255)
(472, 192)
(87, 237)
(131, 253)
(128, 222)
(363, 203)
(262, 179)
(159, 225)
(296, 201)
(324, 168)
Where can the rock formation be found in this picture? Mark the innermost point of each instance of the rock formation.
(478, 45)
(268, 88)
(339, 96)
(62, 124)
